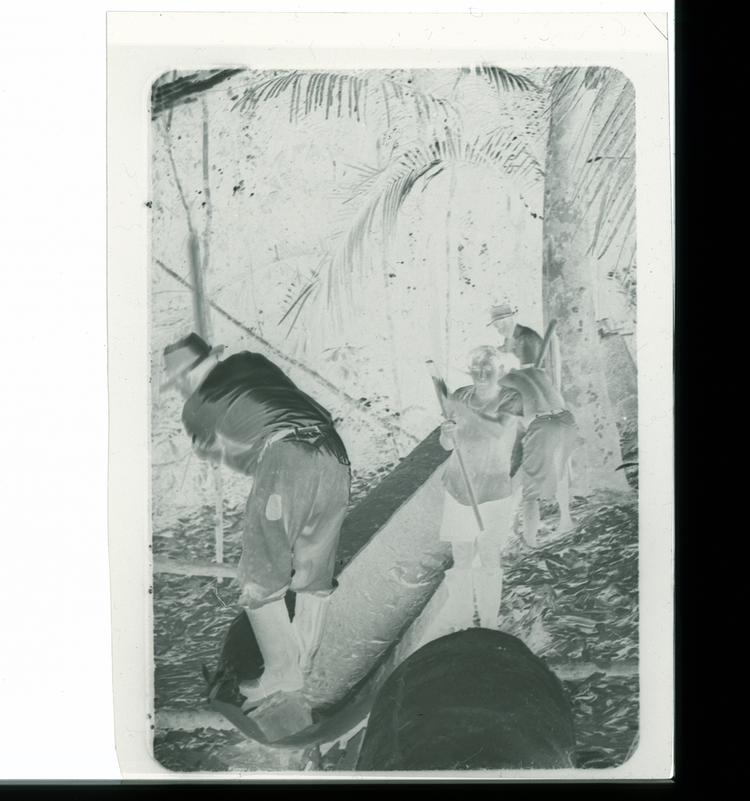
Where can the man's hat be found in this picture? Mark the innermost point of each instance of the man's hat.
(184, 355)
(501, 312)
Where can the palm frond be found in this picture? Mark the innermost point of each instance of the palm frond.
(606, 175)
(166, 94)
(616, 220)
(299, 302)
(568, 87)
(343, 94)
(597, 169)
(604, 208)
(380, 196)
(508, 151)
(501, 79)
(624, 273)
(625, 240)
(619, 115)
(565, 84)
(594, 77)
(367, 172)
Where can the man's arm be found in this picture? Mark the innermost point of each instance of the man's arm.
(447, 435)
(504, 417)
(210, 448)
(449, 428)
(510, 401)
(516, 456)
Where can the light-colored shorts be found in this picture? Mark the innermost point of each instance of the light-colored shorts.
(547, 447)
(459, 523)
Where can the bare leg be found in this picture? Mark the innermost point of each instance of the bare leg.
(463, 555)
(459, 611)
(488, 580)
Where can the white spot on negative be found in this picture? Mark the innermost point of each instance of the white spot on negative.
(273, 507)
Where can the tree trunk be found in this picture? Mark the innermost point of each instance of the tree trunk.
(568, 290)
(399, 447)
(449, 245)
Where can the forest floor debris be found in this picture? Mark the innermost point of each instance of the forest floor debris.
(573, 599)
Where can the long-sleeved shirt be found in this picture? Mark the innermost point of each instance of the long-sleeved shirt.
(244, 402)
(528, 392)
(485, 436)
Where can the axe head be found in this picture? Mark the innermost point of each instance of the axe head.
(440, 386)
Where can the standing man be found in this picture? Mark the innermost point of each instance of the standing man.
(547, 444)
(486, 436)
(246, 413)
(525, 342)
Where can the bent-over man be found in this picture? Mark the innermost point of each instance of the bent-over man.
(550, 436)
(247, 414)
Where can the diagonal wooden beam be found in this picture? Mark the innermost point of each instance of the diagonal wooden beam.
(358, 404)
(186, 88)
(197, 567)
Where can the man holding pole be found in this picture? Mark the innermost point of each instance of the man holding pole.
(480, 498)
(525, 343)
(247, 414)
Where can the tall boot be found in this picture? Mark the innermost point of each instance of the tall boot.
(310, 613)
(488, 589)
(458, 611)
(278, 645)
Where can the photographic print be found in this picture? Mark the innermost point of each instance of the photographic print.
(393, 418)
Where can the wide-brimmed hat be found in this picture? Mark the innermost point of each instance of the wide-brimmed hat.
(184, 355)
(501, 312)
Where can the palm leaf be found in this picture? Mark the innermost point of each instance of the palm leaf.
(299, 303)
(501, 79)
(565, 91)
(603, 211)
(379, 198)
(606, 182)
(625, 240)
(617, 203)
(342, 94)
(624, 212)
(166, 94)
(620, 113)
(569, 85)
(598, 169)
(624, 271)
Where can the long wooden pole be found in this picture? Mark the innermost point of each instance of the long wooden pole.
(200, 318)
(545, 342)
(439, 384)
(200, 307)
(353, 402)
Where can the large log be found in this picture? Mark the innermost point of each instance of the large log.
(190, 720)
(388, 583)
(388, 564)
(476, 699)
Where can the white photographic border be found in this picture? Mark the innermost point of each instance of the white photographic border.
(142, 46)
